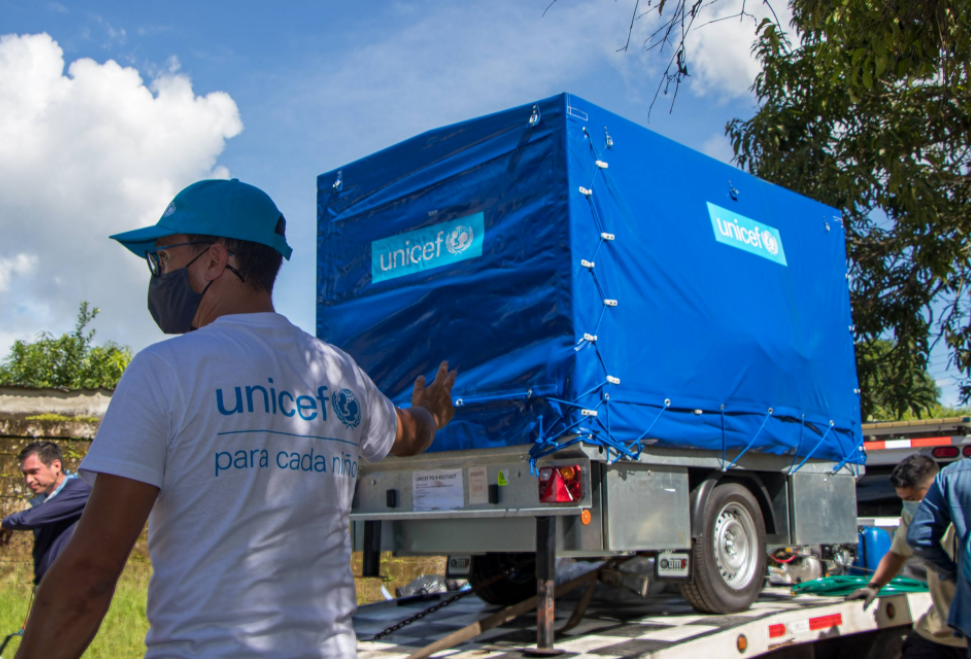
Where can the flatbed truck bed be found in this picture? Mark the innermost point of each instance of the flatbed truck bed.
(778, 625)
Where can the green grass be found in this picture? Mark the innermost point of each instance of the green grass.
(122, 634)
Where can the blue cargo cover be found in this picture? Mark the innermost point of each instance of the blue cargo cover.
(591, 280)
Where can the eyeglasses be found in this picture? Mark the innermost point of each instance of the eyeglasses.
(155, 264)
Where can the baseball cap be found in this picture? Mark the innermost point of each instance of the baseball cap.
(216, 207)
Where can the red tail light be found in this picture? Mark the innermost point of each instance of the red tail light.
(967, 451)
(559, 484)
(946, 452)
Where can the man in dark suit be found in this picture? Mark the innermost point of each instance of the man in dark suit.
(56, 508)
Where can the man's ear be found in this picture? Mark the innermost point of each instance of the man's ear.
(216, 260)
(56, 464)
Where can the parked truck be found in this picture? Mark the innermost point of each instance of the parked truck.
(655, 352)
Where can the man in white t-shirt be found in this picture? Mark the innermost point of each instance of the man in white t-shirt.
(243, 439)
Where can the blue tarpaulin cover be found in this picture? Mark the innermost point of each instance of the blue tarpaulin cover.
(591, 280)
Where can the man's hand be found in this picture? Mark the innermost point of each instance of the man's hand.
(436, 397)
(868, 593)
(5, 535)
(431, 408)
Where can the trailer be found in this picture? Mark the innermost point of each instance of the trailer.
(655, 353)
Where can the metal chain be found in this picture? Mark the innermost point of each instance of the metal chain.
(454, 598)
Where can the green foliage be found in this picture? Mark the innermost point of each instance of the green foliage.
(60, 418)
(70, 361)
(871, 114)
(893, 390)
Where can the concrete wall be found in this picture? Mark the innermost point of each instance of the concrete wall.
(76, 402)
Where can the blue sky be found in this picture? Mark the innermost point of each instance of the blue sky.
(274, 94)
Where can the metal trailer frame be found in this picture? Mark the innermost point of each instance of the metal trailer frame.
(807, 507)
(652, 504)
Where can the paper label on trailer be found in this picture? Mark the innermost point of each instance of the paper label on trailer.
(478, 485)
(672, 565)
(502, 479)
(441, 489)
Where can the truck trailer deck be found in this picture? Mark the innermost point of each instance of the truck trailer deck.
(778, 625)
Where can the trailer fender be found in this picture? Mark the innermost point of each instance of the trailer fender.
(700, 493)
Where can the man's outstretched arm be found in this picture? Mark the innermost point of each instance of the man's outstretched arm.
(75, 593)
(431, 408)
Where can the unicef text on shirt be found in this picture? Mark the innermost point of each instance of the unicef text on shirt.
(257, 398)
(342, 464)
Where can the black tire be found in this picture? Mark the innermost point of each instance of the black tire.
(519, 585)
(728, 567)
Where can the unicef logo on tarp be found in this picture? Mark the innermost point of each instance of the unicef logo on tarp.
(459, 239)
(770, 242)
(347, 408)
(746, 234)
(433, 246)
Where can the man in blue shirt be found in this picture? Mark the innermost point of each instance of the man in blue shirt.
(57, 506)
(948, 500)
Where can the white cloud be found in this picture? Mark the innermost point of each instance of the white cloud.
(720, 58)
(21, 264)
(85, 155)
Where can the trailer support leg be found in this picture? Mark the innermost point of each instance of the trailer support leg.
(371, 558)
(545, 588)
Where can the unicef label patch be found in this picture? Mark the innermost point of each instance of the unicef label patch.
(431, 247)
(346, 407)
(747, 234)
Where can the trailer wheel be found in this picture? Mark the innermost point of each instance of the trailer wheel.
(518, 585)
(729, 558)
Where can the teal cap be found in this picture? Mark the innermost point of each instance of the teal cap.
(217, 207)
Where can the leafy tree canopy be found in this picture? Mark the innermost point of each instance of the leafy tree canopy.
(894, 391)
(70, 361)
(871, 113)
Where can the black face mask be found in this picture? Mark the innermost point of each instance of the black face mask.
(172, 302)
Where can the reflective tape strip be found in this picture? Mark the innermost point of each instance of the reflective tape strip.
(825, 622)
(802, 626)
(908, 443)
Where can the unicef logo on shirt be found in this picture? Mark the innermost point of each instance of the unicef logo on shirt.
(459, 239)
(347, 408)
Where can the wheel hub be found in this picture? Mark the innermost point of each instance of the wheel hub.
(734, 543)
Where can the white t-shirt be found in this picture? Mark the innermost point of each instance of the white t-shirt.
(253, 431)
